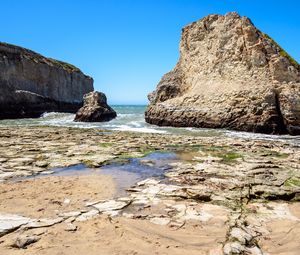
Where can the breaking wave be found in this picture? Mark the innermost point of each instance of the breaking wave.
(131, 118)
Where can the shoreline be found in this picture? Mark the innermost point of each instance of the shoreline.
(235, 193)
(133, 121)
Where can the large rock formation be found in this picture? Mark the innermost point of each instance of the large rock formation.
(95, 109)
(229, 75)
(31, 84)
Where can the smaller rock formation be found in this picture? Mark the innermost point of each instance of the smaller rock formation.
(95, 108)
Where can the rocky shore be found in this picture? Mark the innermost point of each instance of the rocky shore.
(219, 195)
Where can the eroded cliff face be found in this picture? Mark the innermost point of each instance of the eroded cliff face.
(31, 84)
(229, 75)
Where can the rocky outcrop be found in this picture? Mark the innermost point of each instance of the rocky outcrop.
(95, 109)
(32, 84)
(229, 75)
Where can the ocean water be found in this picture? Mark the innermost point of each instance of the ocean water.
(131, 118)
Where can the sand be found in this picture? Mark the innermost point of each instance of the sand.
(284, 234)
(46, 197)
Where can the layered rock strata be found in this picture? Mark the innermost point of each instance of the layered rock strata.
(32, 84)
(95, 109)
(229, 75)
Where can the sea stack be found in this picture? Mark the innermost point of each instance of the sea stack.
(32, 84)
(229, 75)
(95, 109)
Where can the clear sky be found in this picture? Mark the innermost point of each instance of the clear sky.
(127, 45)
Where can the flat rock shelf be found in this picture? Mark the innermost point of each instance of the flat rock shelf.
(186, 194)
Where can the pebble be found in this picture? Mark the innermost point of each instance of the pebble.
(241, 235)
(70, 227)
(23, 241)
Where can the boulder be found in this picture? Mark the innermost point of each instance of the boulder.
(229, 75)
(32, 84)
(95, 109)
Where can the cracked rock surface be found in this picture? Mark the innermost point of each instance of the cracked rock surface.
(221, 195)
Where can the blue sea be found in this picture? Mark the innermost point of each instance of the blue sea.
(131, 118)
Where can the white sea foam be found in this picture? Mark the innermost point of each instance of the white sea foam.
(137, 129)
(258, 136)
(125, 115)
(136, 124)
(131, 118)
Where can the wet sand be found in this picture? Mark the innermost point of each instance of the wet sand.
(123, 236)
(47, 196)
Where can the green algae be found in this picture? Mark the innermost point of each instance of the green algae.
(292, 182)
(230, 157)
(275, 154)
(105, 145)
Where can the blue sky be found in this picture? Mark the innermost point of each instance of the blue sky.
(127, 45)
